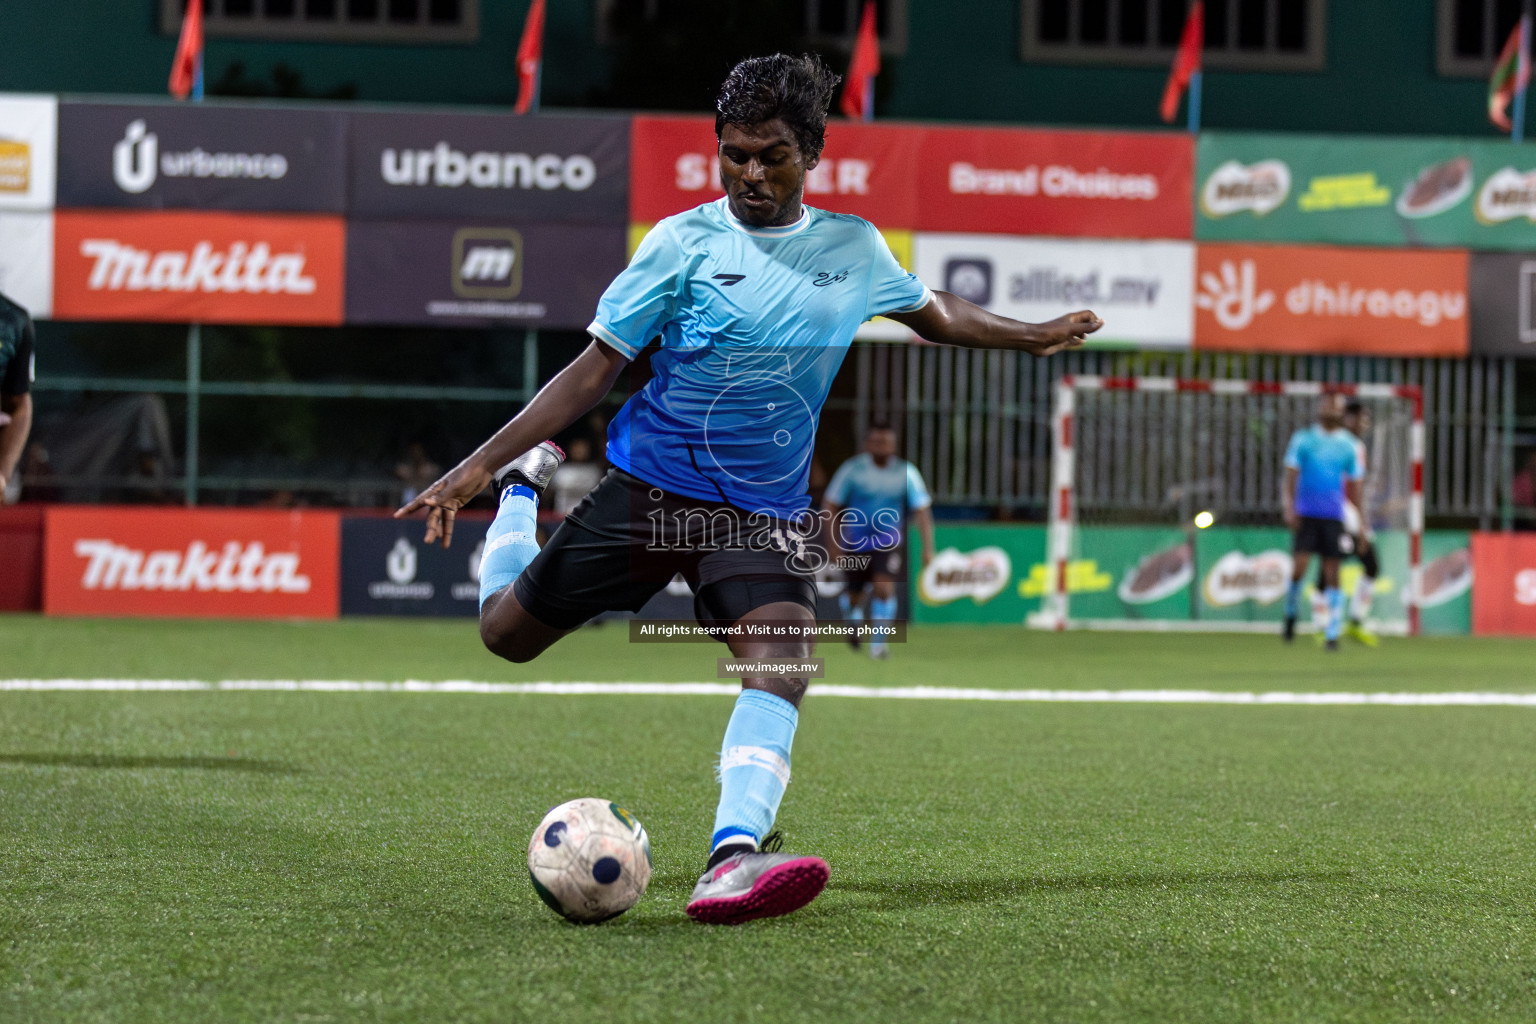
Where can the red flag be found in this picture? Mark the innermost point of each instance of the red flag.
(189, 50)
(1187, 61)
(1511, 74)
(530, 55)
(858, 99)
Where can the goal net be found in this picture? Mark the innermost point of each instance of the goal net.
(1167, 495)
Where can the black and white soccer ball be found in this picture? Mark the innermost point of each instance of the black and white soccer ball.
(590, 860)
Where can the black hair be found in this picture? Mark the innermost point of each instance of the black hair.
(880, 423)
(1353, 406)
(797, 89)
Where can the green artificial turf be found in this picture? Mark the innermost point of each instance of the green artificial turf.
(224, 856)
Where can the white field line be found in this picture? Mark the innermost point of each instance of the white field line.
(1454, 699)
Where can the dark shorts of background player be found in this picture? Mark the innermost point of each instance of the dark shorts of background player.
(607, 556)
(1324, 537)
(886, 562)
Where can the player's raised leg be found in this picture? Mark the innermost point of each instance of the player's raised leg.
(746, 877)
(511, 543)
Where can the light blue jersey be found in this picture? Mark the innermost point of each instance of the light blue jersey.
(1324, 460)
(754, 323)
(877, 500)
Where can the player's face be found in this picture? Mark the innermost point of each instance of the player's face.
(762, 170)
(881, 445)
(1330, 411)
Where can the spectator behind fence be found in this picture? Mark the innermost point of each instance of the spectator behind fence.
(17, 371)
(575, 477)
(415, 471)
(1522, 486)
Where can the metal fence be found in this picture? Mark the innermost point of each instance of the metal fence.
(977, 424)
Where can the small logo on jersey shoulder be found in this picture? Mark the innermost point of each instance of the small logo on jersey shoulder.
(826, 277)
(729, 279)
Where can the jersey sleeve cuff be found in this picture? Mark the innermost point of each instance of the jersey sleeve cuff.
(612, 340)
(919, 304)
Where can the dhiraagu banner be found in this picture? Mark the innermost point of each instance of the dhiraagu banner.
(1365, 190)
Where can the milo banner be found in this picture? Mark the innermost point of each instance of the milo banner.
(981, 573)
(1365, 190)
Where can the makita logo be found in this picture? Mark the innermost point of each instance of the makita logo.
(136, 160)
(245, 568)
(447, 167)
(240, 268)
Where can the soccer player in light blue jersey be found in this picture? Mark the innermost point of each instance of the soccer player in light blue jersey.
(755, 299)
(869, 501)
(1322, 471)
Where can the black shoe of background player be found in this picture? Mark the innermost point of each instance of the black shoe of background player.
(533, 469)
(1289, 633)
(1331, 645)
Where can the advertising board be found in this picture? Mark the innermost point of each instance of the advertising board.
(479, 273)
(204, 156)
(489, 167)
(1322, 299)
(28, 133)
(183, 265)
(387, 570)
(1143, 290)
(203, 563)
(1504, 588)
(26, 260)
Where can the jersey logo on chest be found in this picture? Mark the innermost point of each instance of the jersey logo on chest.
(826, 277)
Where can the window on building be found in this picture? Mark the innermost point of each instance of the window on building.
(1471, 34)
(1245, 35)
(831, 24)
(383, 21)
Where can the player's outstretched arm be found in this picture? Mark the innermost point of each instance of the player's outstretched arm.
(951, 320)
(565, 399)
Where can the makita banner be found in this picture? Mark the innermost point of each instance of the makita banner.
(1301, 299)
(1504, 591)
(1502, 291)
(204, 563)
(866, 170)
(1074, 184)
(387, 570)
(26, 260)
(474, 273)
(206, 156)
(497, 166)
(1366, 190)
(211, 267)
(1143, 290)
(28, 125)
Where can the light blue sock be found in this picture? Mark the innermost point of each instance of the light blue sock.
(1335, 598)
(1292, 599)
(845, 605)
(881, 612)
(509, 543)
(754, 765)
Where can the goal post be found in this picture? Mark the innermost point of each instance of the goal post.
(1172, 489)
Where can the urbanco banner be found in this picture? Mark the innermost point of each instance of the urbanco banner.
(1142, 290)
(1061, 183)
(1366, 190)
(28, 130)
(181, 265)
(1322, 299)
(479, 273)
(204, 156)
(386, 569)
(203, 563)
(495, 166)
(1502, 292)
(866, 170)
(26, 260)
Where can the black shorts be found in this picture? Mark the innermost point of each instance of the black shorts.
(1323, 537)
(861, 567)
(626, 540)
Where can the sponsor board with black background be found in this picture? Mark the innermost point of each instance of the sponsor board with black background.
(1502, 294)
(497, 166)
(208, 156)
(479, 273)
(387, 570)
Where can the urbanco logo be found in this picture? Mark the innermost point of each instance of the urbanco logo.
(400, 563)
(137, 162)
(1233, 296)
(134, 158)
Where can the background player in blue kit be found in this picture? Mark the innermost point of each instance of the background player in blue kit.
(869, 501)
(756, 298)
(1322, 471)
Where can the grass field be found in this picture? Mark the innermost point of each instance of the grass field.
(222, 856)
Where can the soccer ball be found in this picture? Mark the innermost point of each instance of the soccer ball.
(590, 860)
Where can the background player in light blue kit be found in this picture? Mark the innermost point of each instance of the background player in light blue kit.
(755, 298)
(868, 501)
(1322, 470)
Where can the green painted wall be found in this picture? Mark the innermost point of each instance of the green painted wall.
(962, 63)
